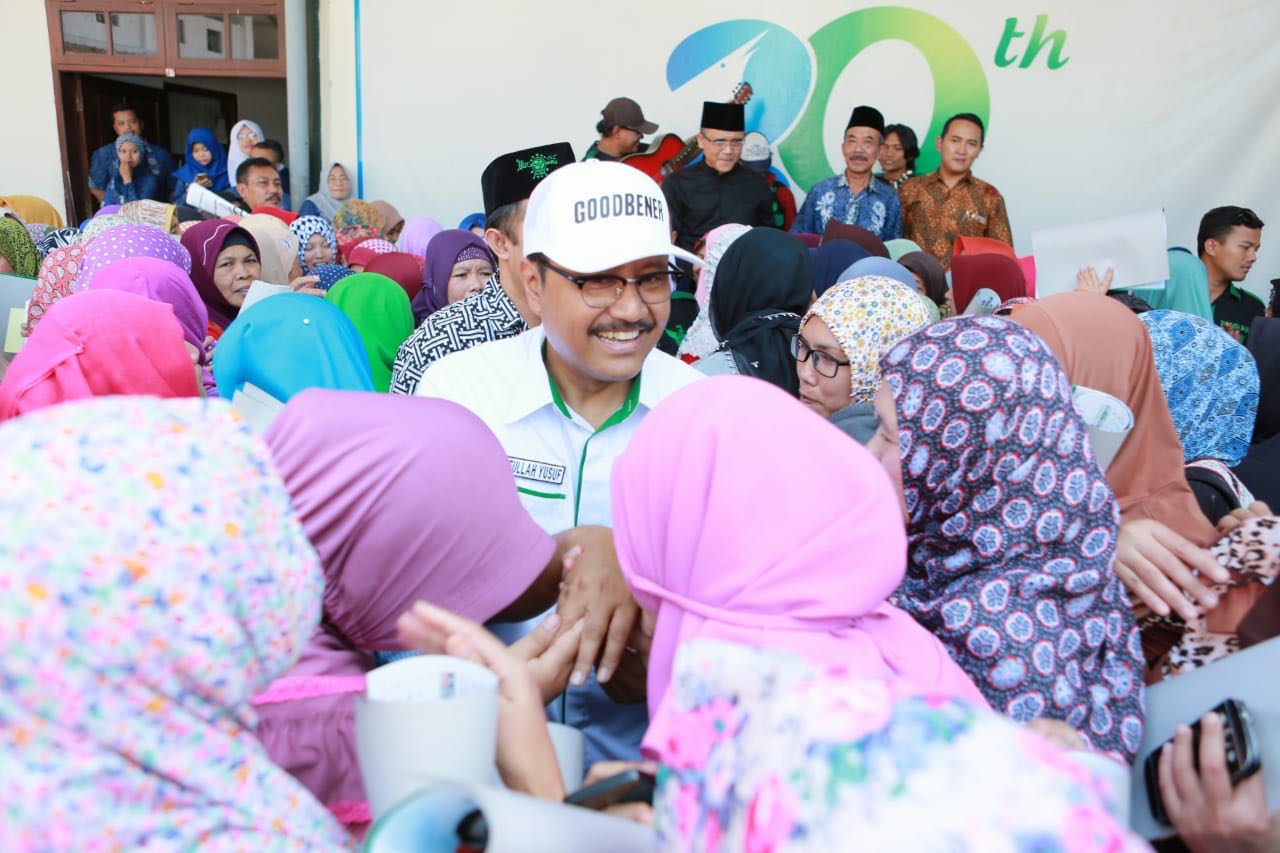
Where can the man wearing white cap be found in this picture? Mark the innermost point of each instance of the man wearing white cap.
(564, 398)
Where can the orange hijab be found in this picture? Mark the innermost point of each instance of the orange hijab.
(1103, 345)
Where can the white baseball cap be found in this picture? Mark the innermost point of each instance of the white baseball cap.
(596, 215)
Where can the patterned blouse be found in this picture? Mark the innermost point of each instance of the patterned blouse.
(773, 754)
(933, 215)
(489, 315)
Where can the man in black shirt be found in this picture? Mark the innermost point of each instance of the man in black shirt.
(719, 189)
(621, 127)
(1228, 244)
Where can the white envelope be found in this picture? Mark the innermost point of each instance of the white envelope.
(259, 291)
(1107, 420)
(1135, 246)
(257, 407)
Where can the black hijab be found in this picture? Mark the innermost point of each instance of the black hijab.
(763, 286)
(1264, 344)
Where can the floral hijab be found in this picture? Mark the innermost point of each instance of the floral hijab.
(775, 753)
(57, 280)
(867, 316)
(1012, 530)
(17, 247)
(1210, 381)
(355, 212)
(180, 584)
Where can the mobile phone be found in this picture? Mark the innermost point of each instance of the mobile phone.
(202, 176)
(472, 832)
(629, 786)
(1239, 741)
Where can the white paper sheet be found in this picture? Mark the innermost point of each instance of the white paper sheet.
(257, 407)
(1107, 420)
(259, 291)
(516, 823)
(202, 198)
(1135, 246)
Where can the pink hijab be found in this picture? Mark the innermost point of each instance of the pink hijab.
(99, 343)
(356, 467)
(810, 577)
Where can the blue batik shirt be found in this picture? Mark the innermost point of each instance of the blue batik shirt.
(105, 162)
(876, 208)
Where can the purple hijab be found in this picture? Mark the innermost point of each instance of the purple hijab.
(417, 233)
(130, 241)
(355, 479)
(205, 241)
(442, 254)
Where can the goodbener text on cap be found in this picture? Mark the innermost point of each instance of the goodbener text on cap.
(619, 204)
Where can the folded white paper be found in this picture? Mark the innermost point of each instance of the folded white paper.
(202, 198)
(428, 822)
(257, 407)
(1107, 420)
(1135, 246)
(259, 291)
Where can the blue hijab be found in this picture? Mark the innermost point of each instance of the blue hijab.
(288, 343)
(1210, 381)
(217, 168)
(875, 265)
(832, 258)
(1186, 290)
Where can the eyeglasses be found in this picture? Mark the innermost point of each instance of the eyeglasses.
(602, 291)
(826, 365)
(721, 142)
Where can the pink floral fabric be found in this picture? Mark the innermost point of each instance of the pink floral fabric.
(777, 755)
(153, 577)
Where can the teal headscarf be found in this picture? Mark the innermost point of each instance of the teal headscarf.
(898, 248)
(288, 343)
(1187, 289)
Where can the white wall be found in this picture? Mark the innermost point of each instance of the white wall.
(32, 163)
(338, 87)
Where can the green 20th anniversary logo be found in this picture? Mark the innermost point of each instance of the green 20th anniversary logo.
(793, 81)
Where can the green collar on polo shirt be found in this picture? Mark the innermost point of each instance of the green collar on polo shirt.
(624, 411)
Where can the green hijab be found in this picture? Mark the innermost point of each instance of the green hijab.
(1187, 289)
(17, 247)
(898, 248)
(380, 311)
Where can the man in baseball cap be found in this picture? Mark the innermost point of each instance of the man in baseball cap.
(621, 127)
(565, 397)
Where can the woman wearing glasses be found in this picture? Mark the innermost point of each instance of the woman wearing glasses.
(841, 341)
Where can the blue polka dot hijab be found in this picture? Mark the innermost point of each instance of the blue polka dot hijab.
(1012, 530)
(1211, 384)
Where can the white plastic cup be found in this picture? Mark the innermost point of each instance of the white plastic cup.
(425, 719)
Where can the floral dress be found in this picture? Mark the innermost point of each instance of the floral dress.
(773, 754)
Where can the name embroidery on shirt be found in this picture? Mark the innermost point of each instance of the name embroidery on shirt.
(541, 472)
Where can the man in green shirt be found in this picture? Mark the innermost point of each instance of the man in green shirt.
(1228, 245)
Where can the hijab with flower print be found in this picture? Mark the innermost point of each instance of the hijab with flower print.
(181, 583)
(867, 316)
(1011, 530)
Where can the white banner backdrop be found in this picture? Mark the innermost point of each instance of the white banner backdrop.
(1093, 108)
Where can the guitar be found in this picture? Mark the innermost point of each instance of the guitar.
(671, 153)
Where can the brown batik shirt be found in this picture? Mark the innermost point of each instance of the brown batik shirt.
(933, 215)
